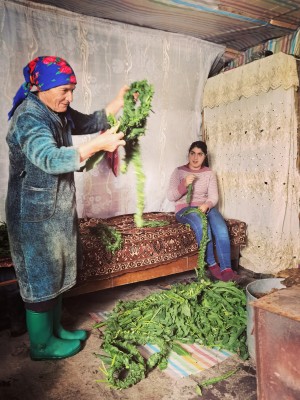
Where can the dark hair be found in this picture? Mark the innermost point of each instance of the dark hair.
(202, 146)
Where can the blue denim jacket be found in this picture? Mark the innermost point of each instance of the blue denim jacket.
(41, 204)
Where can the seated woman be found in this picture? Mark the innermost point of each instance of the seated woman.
(205, 197)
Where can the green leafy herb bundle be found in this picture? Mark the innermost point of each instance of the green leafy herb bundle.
(134, 118)
(109, 236)
(189, 194)
(133, 124)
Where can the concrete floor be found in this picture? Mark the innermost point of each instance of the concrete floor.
(76, 377)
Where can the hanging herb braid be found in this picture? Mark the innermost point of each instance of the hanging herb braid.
(133, 124)
(189, 194)
(202, 248)
(134, 117)
(140, 184)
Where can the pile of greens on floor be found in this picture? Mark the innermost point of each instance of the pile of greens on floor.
(211, 314)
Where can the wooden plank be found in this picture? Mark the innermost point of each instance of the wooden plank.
(182, 265)
(10, 282)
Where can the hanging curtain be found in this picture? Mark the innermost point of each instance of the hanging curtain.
(105, 55)
(250, 121)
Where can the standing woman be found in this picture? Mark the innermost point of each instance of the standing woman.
(204, 197)
(41, 205)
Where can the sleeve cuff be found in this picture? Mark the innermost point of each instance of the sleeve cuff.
(182, 189)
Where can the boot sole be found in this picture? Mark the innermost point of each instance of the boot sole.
(83, 338)
(50, 357)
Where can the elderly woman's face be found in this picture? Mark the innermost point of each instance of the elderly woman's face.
(58, 98)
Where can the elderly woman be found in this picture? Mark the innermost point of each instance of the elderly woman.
(41, 205)
(205, 198)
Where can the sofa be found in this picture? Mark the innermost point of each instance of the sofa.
(146, 253)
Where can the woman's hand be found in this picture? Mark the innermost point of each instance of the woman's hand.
(107, 141)
(204, 208)
(118, 102)
(189, 179)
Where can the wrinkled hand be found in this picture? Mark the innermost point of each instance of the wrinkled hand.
(110, 140)
(189, 179)
(120, 96)
(136, 96)
(107, 141)
(118, 102)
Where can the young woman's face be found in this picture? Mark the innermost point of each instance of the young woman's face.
(196, 158)
(58, 98)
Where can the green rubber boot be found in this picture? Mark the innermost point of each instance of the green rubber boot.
(43, 344)
(59, 331)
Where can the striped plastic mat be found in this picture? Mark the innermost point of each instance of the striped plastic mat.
(199, 358)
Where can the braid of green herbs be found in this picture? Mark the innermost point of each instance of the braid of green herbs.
(189, 194)
(133, 124)
(140, 184)
(134, 118)
(202, 248)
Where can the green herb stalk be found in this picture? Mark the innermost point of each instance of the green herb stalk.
(189, 194)
(110, 237)
(212, 381)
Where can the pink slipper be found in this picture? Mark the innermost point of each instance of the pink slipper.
(228, 275)
(215, 271)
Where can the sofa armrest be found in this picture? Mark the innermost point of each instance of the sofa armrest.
(237, 232)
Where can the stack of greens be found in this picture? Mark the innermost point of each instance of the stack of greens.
(211, 314)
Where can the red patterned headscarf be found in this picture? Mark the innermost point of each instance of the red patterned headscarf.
(44, 73)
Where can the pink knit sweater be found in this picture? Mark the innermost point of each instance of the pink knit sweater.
(205, 189)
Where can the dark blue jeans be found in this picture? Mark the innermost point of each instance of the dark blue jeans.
(216, 229)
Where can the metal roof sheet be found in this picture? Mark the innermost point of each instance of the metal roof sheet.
(236, 24)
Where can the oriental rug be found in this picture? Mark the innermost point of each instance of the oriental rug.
(142, 248)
